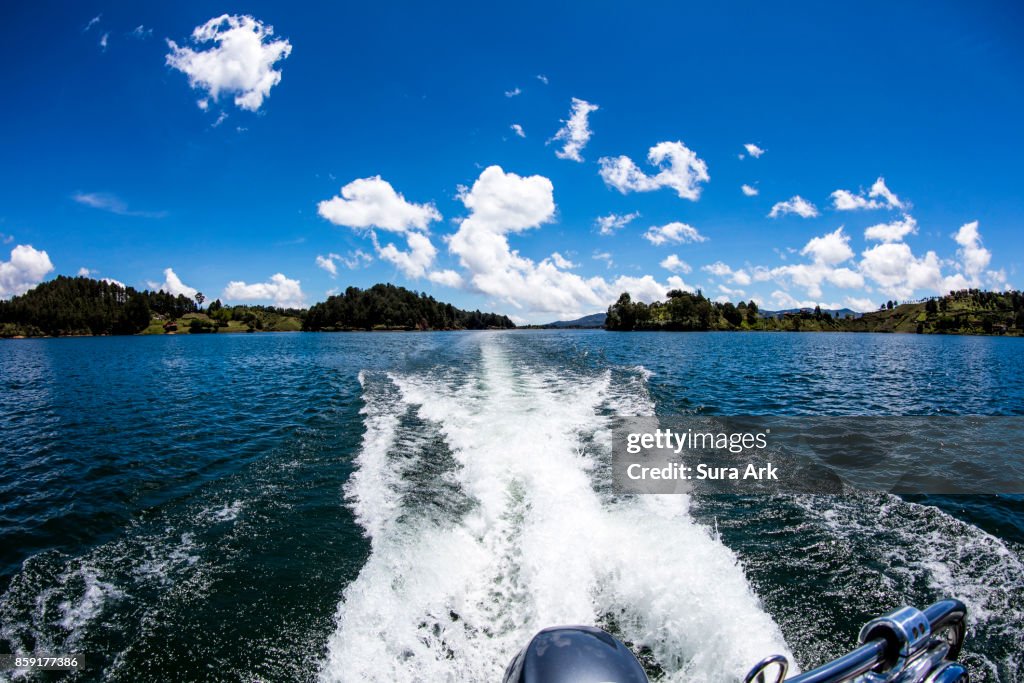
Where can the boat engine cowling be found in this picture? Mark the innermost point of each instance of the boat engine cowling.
(574, 654)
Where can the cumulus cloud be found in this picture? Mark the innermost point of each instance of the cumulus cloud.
(112, 204)
(374, 203)
(607, 225)
(879, 197)
(897, 272)
(720, 269)
(892, 232)
(675, 264)
(974, 258)
(795, 204)
(280, 290)
(414, 261)
(240, 61)
(675, 232)
(748, 190)
(503, 203)
(562, 262)
(327, 263)
(860, 304)
(85, 272)
(173, 285)
(680, 169)
(26, 268)
(448, 278)
(576, 131)
(753, 150)
(518, 130)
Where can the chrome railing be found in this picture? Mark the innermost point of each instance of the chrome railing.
(903, 646)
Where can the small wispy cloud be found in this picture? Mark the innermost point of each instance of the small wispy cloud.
(749, 190)
(514, 92)
(518, 130)
(104, 39)
(92, 22)
(542, 78)
(112, 204)
(140, 32)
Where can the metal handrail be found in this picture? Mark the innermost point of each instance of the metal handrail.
(897, 643)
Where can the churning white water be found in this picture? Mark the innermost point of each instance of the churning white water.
(469, 559)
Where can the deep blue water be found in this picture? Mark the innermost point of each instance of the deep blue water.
(412, 506)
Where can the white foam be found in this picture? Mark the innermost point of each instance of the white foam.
(77, 613)
(438, 601)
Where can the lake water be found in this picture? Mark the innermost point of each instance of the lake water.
(412, 507)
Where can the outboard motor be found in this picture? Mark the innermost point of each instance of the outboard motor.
(574, 654)
(904, 646)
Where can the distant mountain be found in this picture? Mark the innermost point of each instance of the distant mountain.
(587, 321)
(840, 313)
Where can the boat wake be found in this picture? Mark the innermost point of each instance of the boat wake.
(489, 519)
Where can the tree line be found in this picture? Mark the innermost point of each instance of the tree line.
(84, 306)
(681, 311)
(967, 311)
(390, 307)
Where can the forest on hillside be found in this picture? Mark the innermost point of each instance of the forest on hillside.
(968, 311)
(67, 306)
(389, 307)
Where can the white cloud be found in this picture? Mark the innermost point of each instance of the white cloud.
(109, 202)
(327, 263)
(607, 225)
(26, 269)
(604, 256)
(675, 232)
(797, 205)
(562, 262)
(720, 269)
(830, 249)
(897, 272)
(576, 131)
(878, 197)
(241, 62)
(373, 203)
(513, 93)
(280, 290)
(85, 272)
(748, 190)
(753, 150)
(892, 232)
(683, 172)
(448, 278)
(112, 281)
(503, 203)
(860, 304)
(220, 119)
(173, 285)
(974, 258)
(92, 22)
(675, 264)
(542, 78)
(352, 261)
(878, 189)
(140, 32)
(518, 130)
(104, 41)
(414, 262)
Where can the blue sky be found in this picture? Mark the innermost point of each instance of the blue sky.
(111, 165)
